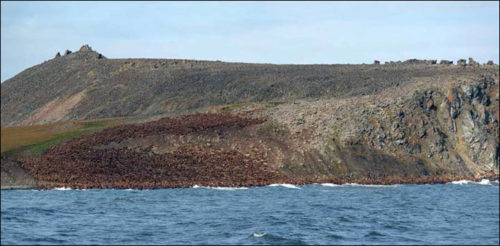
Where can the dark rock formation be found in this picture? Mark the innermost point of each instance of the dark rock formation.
(473, 63)
(85, 48)
(13, 176)
(461, 62)
(58, 55)
(490, 63)
(67, 52)
(417, 61)
(446, 62)
(376, 62)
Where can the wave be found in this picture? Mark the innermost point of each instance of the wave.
(461, 182)
(482, 182)
(62, 188)
(358, 185)
(371, 185)
(228, 188)
(220, 188)
(291, 186)
(258, 234)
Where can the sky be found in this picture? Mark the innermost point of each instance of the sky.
(257, 32)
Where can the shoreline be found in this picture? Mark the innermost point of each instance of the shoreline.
(415, 181)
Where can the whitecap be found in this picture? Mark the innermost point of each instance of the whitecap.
(330, 185)
(228, 188)
(460, 182)
(291, 186)
(62, 188)
(220, 188)
(482, 182)
(371, 185)
(258, 234)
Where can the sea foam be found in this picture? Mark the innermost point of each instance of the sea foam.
(482, 182)
(291, 186)
(62, 188)
(220, 188)
(358, 185)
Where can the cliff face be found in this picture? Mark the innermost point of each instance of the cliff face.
(443, 128)
(415, 121)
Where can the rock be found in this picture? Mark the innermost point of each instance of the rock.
(490, 62)
(67, 52)
(376, 62)
(418, 61)
(85, 48)
(446, 62)
(472, 62)
(430, 105)
(300, 121)
(461, 62)
(58, 55)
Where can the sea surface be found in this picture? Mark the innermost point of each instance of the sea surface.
(455, 213)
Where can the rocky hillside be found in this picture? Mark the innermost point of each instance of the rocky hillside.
(414, 121)
(87, 85)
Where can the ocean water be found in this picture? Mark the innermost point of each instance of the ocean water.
(459, 213)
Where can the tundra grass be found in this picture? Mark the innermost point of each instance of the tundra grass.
(34, 140)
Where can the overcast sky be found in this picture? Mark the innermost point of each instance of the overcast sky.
(263, 32)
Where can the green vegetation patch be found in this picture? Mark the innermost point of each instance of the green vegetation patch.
(35, 143)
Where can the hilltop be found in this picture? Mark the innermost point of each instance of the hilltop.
(250, 124)
(86, 85)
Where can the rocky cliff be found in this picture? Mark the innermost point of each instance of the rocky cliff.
(413, 121)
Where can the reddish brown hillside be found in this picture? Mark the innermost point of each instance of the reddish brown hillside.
(81, 163)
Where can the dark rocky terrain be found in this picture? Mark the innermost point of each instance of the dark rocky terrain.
(416, 121)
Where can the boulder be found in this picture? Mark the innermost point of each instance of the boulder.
(472, 62)
(85, 48)
(446, 62)
(418, 61)
(462, 62)
(490, 62)
(58, 55)
(376, 62)
(67, 52)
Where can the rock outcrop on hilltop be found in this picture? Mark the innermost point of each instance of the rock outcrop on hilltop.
(413, 121)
